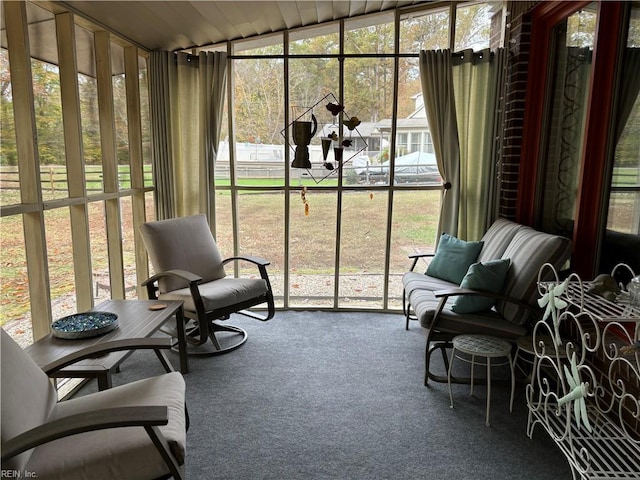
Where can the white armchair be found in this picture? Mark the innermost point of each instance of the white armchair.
(133, 431)
(189, 267)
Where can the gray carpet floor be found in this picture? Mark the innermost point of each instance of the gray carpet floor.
(317, 395)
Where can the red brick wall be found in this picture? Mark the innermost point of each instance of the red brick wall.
(517, 42)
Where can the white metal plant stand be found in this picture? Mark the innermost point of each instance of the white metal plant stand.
(481, 346)
(585, 391)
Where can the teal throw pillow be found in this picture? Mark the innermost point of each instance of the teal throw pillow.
(489, 276)
(453, 258)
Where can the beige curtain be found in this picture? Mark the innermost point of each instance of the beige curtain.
(160, 116)
(213, 80)
(437, 88)
(189, 92)
(474, 84)
(460, 101)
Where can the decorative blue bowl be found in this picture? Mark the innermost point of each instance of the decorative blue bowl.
(84, 325)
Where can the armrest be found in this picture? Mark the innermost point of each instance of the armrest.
(152, 287)
(421, 255)
(452, 292)
(261, 263)
(146, 416)
(417, 256)
(188, 276)
(153, 343)
(256, 260)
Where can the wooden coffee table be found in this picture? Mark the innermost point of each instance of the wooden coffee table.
(136, 319)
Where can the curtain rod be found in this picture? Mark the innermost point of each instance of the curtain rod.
(455, 55)
(469, 55)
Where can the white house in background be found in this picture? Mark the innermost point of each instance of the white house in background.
(372, 140)
(412, 133)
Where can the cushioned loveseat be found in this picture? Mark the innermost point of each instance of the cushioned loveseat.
(486, 287)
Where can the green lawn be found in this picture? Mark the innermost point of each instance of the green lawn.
(364, 218)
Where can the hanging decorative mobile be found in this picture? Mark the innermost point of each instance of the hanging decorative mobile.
(305, 201)
(327, 125)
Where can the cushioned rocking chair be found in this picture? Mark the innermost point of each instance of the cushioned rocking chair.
(133, 431)
(188, 267)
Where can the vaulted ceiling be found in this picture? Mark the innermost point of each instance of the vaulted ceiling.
(175, 25)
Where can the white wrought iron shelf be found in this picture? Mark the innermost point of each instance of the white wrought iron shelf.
(591, 410)
(604, 310)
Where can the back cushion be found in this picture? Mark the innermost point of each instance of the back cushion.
(453, 258)
(528, 251)
(184, 243)
(27, 396)
(497, 239)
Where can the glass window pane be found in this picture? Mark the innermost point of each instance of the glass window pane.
(272, 44)
(224, 223)
(150, 206)
(99, 255)
(313, 84)
(415, 222)
(581, 28)
(565, 125)
(624, 200)
(222, 173)
(89, 115)
(369, 34)
(424, 31)
(9, 180)
(128, 249)
(14, 295)
(312, 249)
(48, 112)
(150, 215)
(410, 102)
(362, 249)
(47, 103)
(259, 116)
(60, 262)
(368, 91)
(143, 80)
(261, 220)
(633, 35)
(320, 40)
(120, 115)
(473, 27)
(624, 208)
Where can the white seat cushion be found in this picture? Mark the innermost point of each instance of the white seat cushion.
(220, 293)
(122, 453)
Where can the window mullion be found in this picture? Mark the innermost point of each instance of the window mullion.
(30, 188)
(69, 90)
(109, 164)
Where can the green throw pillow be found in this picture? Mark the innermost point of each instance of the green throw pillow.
(488, 276)
(453, 258)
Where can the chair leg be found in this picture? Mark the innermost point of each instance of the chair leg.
(198, 345)
(442, 346)
(214, 340)
(219, 348)
(405, 309)
(427, 373)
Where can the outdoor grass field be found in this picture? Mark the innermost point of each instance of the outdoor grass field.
(261, 217)
(312, 238)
